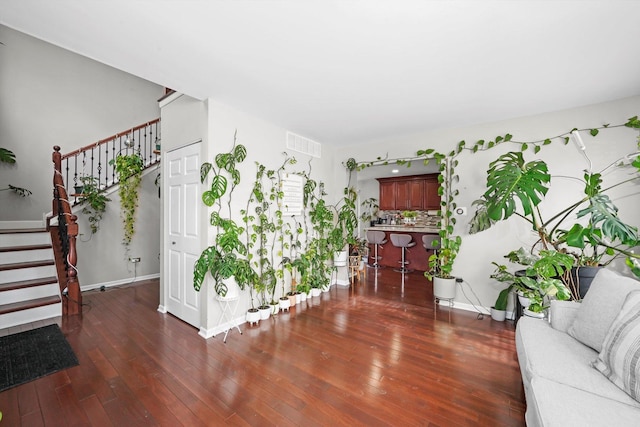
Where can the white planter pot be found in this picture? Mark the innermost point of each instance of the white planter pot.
(340, 259)
(315, 292)
(326, 288)
(233, 290)
(498, 315)
(303, 296)
(284, 304)
(524, 301)
(535, 315)
(253, 316)
(444, 288)
(274, 308)
(265, 312)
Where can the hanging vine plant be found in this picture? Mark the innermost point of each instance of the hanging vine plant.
(129, 169)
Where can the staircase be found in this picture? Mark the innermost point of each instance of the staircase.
(29, 289)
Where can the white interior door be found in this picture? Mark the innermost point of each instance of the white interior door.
(182, 242)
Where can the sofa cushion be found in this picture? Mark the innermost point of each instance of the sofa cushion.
(619, 359)
(551, 404)
(546, 352)
(600, 307)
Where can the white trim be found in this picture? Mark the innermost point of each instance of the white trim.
(169, 99)
(208, 333)
(162, 309)
(119, 282)
(8, 225)
(469, 307)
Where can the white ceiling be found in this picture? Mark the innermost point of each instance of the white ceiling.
(346, 72)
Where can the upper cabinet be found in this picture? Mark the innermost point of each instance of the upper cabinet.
(417, 192)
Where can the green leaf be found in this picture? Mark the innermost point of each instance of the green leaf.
(524, 147)
(509, 179)
(536, 149)
(218, 186)
(546, 142)
(594, 132)
(204, 171)
(7, 156)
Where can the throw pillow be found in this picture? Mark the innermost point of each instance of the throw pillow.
(619, 359)
(600, 307)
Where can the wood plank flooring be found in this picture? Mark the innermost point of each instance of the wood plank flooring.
(375, 355)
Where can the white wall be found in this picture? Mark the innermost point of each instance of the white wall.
(265, 143)
(50, 96)
(478, 251)
(103, 259)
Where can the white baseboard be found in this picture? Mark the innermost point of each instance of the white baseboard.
(466, 307)
(208, 333)
(162, 309)
(120, 282)
(8, 225)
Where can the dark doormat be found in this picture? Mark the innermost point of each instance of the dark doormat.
(29, 355)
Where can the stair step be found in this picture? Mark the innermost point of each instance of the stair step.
(15, 254)
(25, 248)
(20, 271)
(22, 230)
(29, 264)
(22, 238)
(27, 283)
(29, 304)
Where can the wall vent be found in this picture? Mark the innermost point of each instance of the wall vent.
(303, 145)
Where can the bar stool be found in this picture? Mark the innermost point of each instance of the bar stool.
(376, 238)
(431, 241)
(405, 242)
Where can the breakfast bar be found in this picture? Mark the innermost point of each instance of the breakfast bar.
(390, 255)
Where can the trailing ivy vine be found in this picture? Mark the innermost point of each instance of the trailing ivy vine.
(129, 168)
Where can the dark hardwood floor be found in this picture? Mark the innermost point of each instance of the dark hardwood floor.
(377, 355)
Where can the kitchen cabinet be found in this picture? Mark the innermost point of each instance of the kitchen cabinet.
(416, 192)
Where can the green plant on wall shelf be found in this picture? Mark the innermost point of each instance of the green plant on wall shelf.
(129, 168)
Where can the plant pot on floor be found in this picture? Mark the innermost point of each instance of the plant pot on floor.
(253, 316)
(275, 308)
(292, 299)
(284, 303)
(498, 315)
(265, 312)
(444, 288)
(315, 292)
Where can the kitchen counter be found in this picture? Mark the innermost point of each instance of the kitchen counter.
(417, 255)
(430, 229)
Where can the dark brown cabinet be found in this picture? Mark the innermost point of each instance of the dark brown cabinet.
(417, 192)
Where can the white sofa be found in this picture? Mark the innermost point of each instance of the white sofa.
(560, 359)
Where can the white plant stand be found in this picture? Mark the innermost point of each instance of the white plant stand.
(229, 307)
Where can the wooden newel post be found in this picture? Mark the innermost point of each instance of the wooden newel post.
(74, 302)
(56, 157)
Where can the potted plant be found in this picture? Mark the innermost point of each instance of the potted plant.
(226, 259)
(129, 168)
(448, 245)
(537, 278)
(499, 309)
(369, 211)
(516, 188)
(94, 201)
(409, 217)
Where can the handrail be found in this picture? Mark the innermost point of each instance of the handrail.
(105, 140)
(68, 232)
(96, 160)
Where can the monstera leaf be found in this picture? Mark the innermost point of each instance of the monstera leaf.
(604, 215)
(510, 179)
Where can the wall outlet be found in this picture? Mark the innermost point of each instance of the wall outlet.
(134, 260)
(461, 211)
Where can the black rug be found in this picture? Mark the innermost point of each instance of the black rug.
(29, 355)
